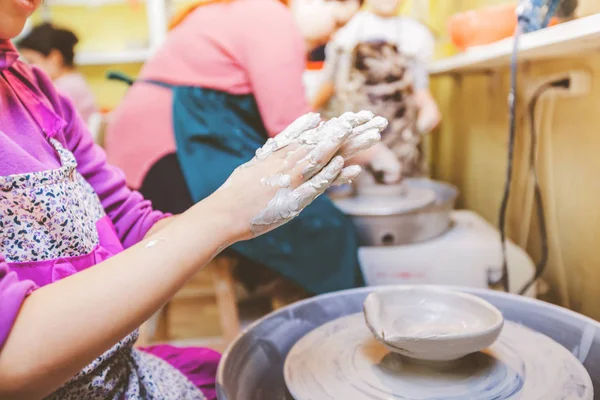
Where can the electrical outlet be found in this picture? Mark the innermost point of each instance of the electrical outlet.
(580, 82)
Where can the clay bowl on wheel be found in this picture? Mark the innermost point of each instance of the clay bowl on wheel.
(366, 185)
(431, 324)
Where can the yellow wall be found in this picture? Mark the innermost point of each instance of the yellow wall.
(108, 93)
(470, 151)
(112, 27)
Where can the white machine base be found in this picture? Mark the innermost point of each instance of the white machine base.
(469, 254)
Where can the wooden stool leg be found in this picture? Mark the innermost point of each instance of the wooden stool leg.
(154, 328)
(224, 284)
(286, 293)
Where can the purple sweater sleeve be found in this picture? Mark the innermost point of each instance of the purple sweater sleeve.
(12, 295)
(130, 213)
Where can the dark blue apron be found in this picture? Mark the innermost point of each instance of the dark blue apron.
(215, 132)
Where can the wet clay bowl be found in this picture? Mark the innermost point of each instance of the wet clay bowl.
(431, 324)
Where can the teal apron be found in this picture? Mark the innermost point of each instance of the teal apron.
(215, 132)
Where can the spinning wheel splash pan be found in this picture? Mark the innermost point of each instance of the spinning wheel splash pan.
(341, 360)
(252, 367)
(410, 226)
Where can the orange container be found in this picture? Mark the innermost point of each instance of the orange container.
(484, 26)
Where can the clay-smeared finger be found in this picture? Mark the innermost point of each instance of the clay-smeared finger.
(301, 125)
(317, 185)
(356, 144)
(288, 135)
(347, 175)
(363, 137)
(312, 137)
(359, 118)
(288, 203)
(378, 123)
(332, 135)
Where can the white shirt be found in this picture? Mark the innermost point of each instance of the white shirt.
(410, 37)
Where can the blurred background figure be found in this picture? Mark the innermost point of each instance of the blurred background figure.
(228, 77)
(53, 50)
(378, 61)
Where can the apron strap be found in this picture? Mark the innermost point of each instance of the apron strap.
(121, 77)
(159, 83)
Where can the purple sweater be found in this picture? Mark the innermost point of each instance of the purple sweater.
(24, 148)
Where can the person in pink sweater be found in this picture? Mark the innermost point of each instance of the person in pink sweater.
(228, 77)
(238, 47)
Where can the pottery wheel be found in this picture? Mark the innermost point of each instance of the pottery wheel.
(372, 205)
(342, 360)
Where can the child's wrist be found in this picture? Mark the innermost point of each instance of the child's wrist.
(219, 210)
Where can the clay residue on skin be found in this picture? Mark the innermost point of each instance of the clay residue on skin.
(288, 203)
(319, 140)
(347, 120)
(359, 118)
(324, 141)
(347, 175)
(363, 137)
(291, 153)
(155, 242)
(279, 180)
(288, 135)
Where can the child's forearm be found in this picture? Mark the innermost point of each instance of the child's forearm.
(429, 113)
(64, 326)
(161, 224)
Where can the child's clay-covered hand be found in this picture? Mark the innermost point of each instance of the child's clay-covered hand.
(386, 163)
(295, 167)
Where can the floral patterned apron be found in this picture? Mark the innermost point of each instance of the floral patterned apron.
(53, 225)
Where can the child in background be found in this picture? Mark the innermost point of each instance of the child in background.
(53, 50)
(84, 260)
(378, 61)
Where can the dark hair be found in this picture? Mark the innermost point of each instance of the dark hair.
(45, 37)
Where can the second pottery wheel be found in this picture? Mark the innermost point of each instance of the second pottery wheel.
(389, 200)
(342, 360)
(397, 215)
